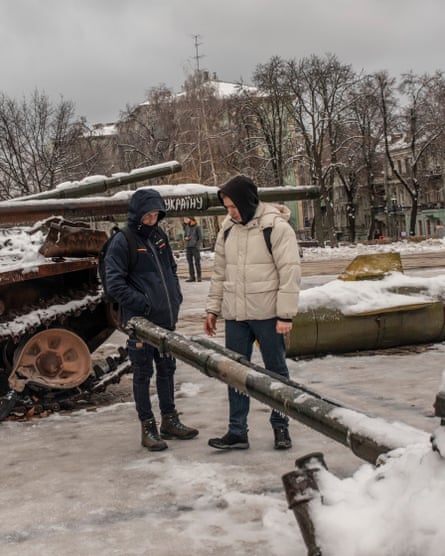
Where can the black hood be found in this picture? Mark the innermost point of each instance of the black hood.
(244, 195)
(143, 201)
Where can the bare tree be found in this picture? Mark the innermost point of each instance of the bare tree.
(320, 86)
(266, 115)
(241, 141)
(359, 158)
(95, 150)
(36, 143)
(191, 126)
(199, 110)
(419, 118)
(207, 136)
(148, 132)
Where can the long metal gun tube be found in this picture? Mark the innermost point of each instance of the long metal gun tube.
(318, 413)
(209, 344)
(102, 184)
(206, 203)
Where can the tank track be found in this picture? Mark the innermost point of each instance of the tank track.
(14, 327)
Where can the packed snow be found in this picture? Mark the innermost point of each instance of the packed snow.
(81, 483)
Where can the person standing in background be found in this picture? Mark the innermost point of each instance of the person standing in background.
(193, 243)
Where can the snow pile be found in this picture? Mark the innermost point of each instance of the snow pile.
(392, 510)
(350, 251)
(371, 295)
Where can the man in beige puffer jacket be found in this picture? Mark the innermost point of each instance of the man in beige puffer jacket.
(255, 288)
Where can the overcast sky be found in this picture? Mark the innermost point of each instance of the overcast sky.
(105, 54)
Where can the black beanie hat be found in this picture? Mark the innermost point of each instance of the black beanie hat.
(244, 195)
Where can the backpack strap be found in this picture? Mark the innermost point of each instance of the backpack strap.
(266, 233)
(132, 246)
(226, 233)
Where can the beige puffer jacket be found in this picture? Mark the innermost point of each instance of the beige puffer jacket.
(248, 282)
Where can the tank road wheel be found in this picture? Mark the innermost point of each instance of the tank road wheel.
(54, 358)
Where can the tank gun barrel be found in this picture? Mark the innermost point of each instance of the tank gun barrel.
(102, 184)
(362, 434)
(181, 200)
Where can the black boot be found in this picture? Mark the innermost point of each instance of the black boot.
(171, 427)
(150, 437)
(282, 439)
(230, 441)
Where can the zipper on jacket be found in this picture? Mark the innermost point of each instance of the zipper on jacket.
(164, 283)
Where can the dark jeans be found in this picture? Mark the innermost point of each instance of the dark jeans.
(142, 357)
(194, 260)
(240, 336)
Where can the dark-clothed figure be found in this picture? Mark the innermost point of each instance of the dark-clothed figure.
(150, 289)
(255, 288)
(193, 243)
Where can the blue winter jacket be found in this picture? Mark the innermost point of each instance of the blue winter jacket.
(151, 289)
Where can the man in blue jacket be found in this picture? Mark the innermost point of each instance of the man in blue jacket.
(150, 289)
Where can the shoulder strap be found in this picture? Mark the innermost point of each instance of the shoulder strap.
(226, 233)
(266, 233)
(133, 251)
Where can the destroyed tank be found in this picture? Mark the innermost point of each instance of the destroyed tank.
(53, 314)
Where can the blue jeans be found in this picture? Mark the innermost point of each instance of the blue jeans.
(142, 357)
(240, 336)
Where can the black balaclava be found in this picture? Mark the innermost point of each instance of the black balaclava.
(143, 201)
(244, 195)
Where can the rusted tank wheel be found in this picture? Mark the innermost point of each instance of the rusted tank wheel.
(56, 358)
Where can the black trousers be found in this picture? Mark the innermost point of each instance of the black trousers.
(143, 358)
(194, 261)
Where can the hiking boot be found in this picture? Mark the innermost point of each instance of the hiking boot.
(282, 439)
(150, 436)
(171, 427)
(230, 441)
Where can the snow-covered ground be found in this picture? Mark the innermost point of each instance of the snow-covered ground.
(404, 247)
(81, 484)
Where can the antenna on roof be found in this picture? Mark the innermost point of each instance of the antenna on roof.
(197, 56)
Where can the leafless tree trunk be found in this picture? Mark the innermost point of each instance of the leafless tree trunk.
(269, 116)
(36, 144)
(359, 160)
(148, 133)
(320, 86)
(203, 119)
(420, 123)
